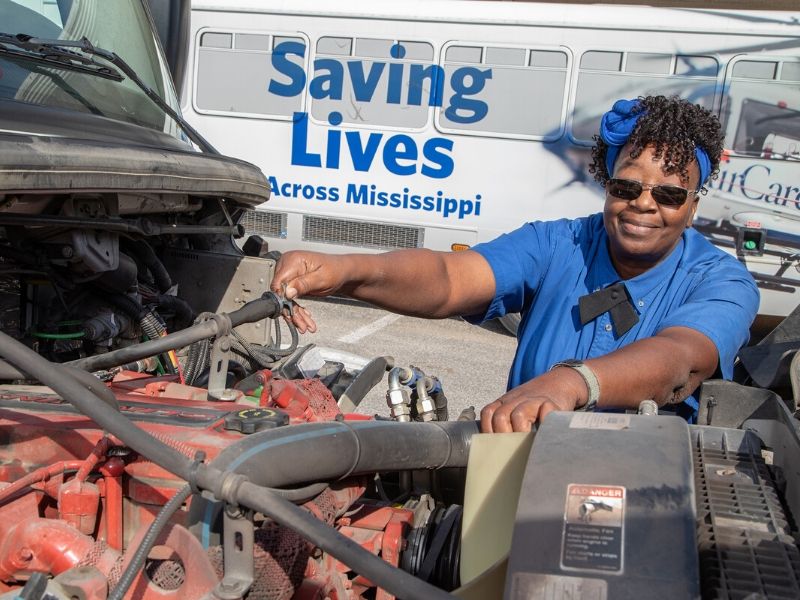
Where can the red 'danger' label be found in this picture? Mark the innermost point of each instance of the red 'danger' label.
(594, 518)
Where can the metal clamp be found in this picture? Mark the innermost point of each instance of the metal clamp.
(218, 371)
(238, 538)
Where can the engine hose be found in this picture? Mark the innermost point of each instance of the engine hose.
(235, 488)
(267, 354)
(124, 303)
(93, 385)
(335, 450)
(184, 315)
(301, 494)
(256, 360)
(147, 256)
(140, 555)
(292, 346)
(440, 402)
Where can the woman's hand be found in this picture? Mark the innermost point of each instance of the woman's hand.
(518, 409)
(300, 274)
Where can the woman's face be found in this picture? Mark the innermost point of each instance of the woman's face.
(641, 231)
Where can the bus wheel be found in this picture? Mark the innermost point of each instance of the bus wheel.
(510, 322)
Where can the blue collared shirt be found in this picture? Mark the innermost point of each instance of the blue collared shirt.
(542, 268)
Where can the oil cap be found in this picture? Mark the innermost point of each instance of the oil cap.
(251, 420)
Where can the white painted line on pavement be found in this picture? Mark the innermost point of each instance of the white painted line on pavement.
(369, 329)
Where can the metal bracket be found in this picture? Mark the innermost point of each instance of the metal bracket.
(238, 538)
(218, 371)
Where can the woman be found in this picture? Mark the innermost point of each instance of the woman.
(617, 307)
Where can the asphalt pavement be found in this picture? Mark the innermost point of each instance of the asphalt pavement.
(471, 361)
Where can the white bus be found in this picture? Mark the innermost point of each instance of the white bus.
(443, 123)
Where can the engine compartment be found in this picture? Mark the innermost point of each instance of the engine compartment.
(76, 498)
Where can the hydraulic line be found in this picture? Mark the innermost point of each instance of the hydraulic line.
(231, 487)
(140, 554)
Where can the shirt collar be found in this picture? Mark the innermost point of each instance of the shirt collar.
(642, 285)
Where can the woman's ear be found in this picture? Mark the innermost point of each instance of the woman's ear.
(692, 212)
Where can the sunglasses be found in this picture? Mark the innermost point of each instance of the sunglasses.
(630, 189)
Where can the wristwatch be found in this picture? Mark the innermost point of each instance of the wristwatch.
(588, 377)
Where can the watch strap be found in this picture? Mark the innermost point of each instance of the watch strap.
(589, 378)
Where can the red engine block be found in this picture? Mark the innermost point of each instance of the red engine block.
(75, 503)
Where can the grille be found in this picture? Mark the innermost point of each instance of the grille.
(363, 234)
(264, 222)
(744, 536)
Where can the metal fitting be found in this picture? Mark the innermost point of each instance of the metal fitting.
(426, 409)
(397, 396)
(648, 408)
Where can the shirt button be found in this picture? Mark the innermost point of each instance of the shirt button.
(608, 327)
(640, 303)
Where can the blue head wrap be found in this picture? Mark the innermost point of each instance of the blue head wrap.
(616, 127)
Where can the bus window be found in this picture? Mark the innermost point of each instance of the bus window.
(373, 82)
(607, 76)
(504, 92)
(768, 123)
(234, 70)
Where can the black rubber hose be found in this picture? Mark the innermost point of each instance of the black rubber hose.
(184, 315)
(124, 303)
(301, 494)
(93, 385)
(140, 555)
(334, 450)
(145, 253)
(440, 402)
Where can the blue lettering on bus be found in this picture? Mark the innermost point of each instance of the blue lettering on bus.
(400, 154)
(365, 77)
(782, 194)
(364, 194)
(295, 73)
